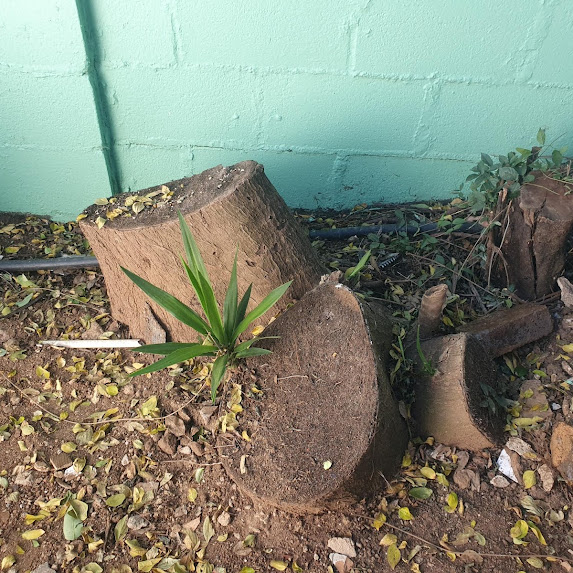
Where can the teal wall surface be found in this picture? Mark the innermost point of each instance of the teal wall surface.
(343, 102)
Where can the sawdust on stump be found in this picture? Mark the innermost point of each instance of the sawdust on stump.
(229, 209)
(327, 423)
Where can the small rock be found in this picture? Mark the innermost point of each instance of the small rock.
(566, 291)
(44, 568)
(24, 479)
(463, 459)
(499, 481)
(522, 448)
(197, 448)
(94, 332)
(125, 460)
(566, 368)
(136, 522)
(342, 563)
(224, 518)
(175, 425)
(193, 524)
(61, 461)
(535, 405)
(185, 450)
(72, 472)
(561, 447)
(184, 415)
(342, 545)
(463, 478)
(41, 466)
(167, 443)
(180, 511)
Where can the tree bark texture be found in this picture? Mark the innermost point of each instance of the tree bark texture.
(528, 248)
(228, 209)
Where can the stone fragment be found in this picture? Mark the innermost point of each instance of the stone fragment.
(505, 330)
(24, 479)
(41, 466)
(566, 291)
(175, 425)
(167, 443)
(44, 568)
(224, 518)
(135, 522)
(342, 563)
(533, 400)
(547, 478)
(506, 464)
(566, 368)
(94, 332)
(522, 448)
(561, 447)
(499, 481)
(342, 545)
(60, 461)
(463, 478)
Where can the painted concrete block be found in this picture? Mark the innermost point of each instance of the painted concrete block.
(307, 35)
(451, 39)
(54, 111)
(134, 32)
(183, 105)
(396, 179)
(552, 64)
(41, 35)
(51, 183)
(143, 166)
(300, 179)
(469, 119)
(340, 112)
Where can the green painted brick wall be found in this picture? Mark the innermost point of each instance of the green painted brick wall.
(345, 101)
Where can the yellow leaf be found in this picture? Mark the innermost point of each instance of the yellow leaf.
(568, 348)
(245, 436)
(535, 562)
(68, 447)
(100, 222)
(80, 217)
(452, 501)
(404, 514)
(529, 479)
(428, 472)
(42, 372)
(379, 521)
(519, 530)
(389, 539)
(8, 561)
(192, 494)
(278, 565)
(33, 534)
(327, 464)
(393, 556)
(257, 330)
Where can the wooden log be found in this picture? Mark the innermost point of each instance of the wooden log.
(528, 249)
(227, 209)
(448, 401)
(327, 424)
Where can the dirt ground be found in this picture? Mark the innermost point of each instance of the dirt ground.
(83, 444)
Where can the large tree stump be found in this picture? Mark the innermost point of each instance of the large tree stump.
(528, 249)
(327, 423)
(449, 396)
(227, 208)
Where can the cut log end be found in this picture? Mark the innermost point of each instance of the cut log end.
(327, 423)
(450, 403)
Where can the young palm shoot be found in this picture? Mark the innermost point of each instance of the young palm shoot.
(220, 334)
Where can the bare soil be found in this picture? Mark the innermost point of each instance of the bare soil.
(153, 440)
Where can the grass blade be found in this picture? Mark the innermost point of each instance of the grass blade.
(211, 310)
(252, 352)
(265, 304)
(171, 304)
(249, 343)
(217, 373)
(242, 308)
(192, 351)
(163, 348)
(194, 280)
(191, 250)
(231, 303)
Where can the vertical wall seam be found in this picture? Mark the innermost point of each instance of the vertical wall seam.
(103, 113)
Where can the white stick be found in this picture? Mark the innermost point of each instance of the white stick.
(122, 343)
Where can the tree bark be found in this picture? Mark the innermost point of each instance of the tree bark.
(327, 424)
(229, 209)
(528, 248)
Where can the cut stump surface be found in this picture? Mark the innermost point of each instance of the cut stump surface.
(227, 208)
(448, 403)
(327, 422)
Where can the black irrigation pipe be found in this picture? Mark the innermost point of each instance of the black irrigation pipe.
(82, 262)
(346, 232)
(61, 263)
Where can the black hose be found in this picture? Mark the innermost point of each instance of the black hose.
(61, 263)
(346, 232)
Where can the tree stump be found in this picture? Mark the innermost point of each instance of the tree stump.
(327, 423)
(449, 401)
(528, 249)
(227, 208)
